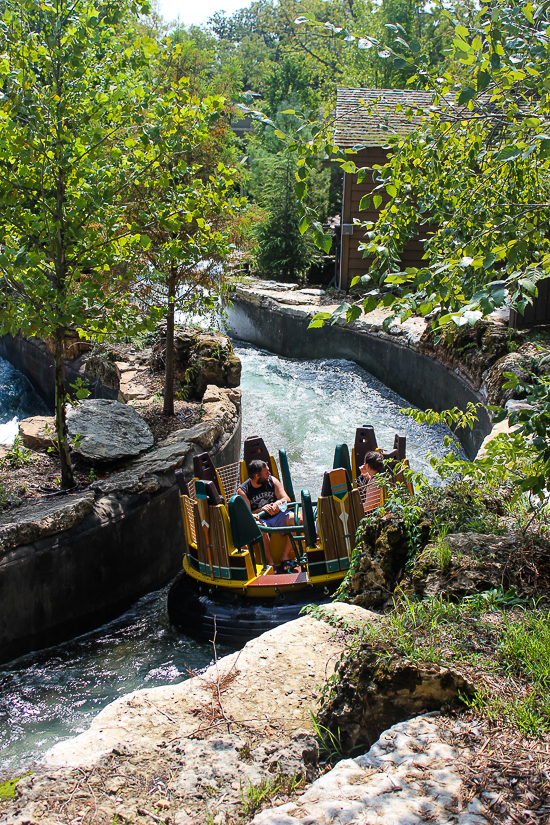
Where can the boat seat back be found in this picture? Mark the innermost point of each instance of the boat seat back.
(244, 527)
(205, 470)
(328, 481)
(399, 449)
(338, 514)
(365, 441)
(341, 459)
(213, 532)
(372, 496)
(211, 491)
(310, 532)
(254, 449)
(285, 475)
(182, 484)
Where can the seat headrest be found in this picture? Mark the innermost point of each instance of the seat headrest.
(204, 469)
(254, 449)
(209, 491)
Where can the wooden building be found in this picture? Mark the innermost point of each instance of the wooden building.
(365, 118)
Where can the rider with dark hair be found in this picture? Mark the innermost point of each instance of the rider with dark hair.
(265, 493)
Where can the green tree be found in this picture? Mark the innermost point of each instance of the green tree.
(474, 178)
(284, 250)
(73, 101)
(183, 210)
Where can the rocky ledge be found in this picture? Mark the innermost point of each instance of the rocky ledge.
(149, 473)
(239, 737)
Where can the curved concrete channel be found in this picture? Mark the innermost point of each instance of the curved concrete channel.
(394, 358)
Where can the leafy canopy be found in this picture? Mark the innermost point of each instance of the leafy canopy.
(472, 179)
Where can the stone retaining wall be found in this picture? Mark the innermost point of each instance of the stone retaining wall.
(277, 319)
(32, 357)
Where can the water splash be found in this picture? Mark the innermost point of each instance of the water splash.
(18, 400)
(307, 407)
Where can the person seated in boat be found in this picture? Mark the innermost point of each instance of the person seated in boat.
(265, 494)
(373, 464)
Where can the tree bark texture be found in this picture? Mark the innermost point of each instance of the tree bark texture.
(62, 435)
(169, 369)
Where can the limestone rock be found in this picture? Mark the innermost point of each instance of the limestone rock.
(384, 547)
(73, 345)
(37, 431)
(515, 362)
(27, 524)
(409, 777)
(200, 358)
(102, 365)
(371, 695)
(480, 563)
(108, 431)
(473, 350)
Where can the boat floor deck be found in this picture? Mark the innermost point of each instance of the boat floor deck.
(279, 579)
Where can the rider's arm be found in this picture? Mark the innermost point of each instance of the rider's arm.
(280, 491)
(243, 494)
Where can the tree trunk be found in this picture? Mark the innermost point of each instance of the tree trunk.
(62, 435)
(169, 372)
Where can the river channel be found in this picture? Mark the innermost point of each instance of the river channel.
(307, 407)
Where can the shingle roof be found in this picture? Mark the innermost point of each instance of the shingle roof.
(368, 117)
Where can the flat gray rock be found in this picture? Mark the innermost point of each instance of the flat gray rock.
(107, 430)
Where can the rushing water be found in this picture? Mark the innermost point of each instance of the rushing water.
(53, 694)
(307, 407)
(17, 400)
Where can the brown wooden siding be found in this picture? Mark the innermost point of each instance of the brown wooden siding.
(536, 313)
(352, 262)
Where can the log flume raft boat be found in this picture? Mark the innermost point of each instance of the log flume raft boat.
(226, 584)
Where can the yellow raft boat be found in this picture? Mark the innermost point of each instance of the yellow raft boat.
(226, 580)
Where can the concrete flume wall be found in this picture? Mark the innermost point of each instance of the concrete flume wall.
(421, 380)
(128, 541)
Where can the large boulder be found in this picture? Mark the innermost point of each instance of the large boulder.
(384, 552)
(470, 349)
(105, 431)
(200, 358)
(519, 363)
(480, 563)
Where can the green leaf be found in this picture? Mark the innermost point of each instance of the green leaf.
(466, 95)
(528, 286)
(304, 224)
(377, 200)
(300, 189)
(391, 190)
(318, 320)
(364, 203)
(509, 153)
(483, 80)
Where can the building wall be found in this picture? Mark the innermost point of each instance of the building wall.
(352, 262)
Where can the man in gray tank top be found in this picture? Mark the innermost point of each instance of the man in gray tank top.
(265, 493)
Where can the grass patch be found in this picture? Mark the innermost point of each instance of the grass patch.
(256, 797)
(495, 640)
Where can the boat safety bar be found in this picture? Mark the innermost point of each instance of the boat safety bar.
(296, 536)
